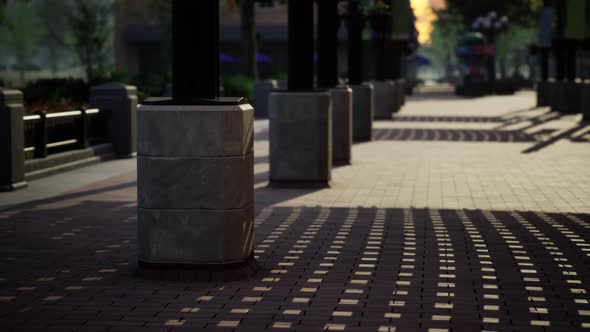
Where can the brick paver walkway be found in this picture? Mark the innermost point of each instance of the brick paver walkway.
(462, 215)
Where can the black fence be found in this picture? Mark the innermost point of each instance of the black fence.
(49, 133)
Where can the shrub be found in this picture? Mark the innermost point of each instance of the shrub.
(58, 90)
(238, 86)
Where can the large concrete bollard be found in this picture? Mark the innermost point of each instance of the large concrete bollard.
(555, 92)
(262, 90)
(363, 108)
(121, 101)
(195, 189)
(586, 101)
(341, 125)
(572, 98)
(402, 92)
(543, 93)
(385, 99)
(12, 140)
(300, 139)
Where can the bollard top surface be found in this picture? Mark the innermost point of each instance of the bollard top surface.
(113, 89)
(10, 96)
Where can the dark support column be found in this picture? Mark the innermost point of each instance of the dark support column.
(327, 43)
(544, 56)
(301, 40)
(571, 62)
(355, 23)
(389, 67)
(195, 39)
(559, 47)
(195, 193)
(559, 63)
(396, 59)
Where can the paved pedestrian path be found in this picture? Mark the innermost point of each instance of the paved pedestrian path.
(461, 215)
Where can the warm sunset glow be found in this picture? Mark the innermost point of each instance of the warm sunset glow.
(425, 17)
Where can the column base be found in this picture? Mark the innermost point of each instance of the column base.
(195, 184)
(300, 135)
(572, 98)
(585, 102)
(363, 108)
(542, 94)
(385, 99)
(13, 186)
(341, 125)
(198, 272)
(262, 90)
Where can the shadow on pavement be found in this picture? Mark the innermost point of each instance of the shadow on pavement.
(75, 267)
(564, 135)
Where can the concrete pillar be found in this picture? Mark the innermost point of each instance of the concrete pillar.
(121, 101)
(12, 141)
(195, 166)
(327, 78)
(554, 95)
(341, 125)
(542, 93)
(385, 99)
(195, 185)
(261, 91)
(402, 91)
(572, 98)
(300, 119)
(363, 110)
(586, 101)
(300, 138)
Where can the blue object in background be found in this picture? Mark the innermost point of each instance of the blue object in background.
(262, 58)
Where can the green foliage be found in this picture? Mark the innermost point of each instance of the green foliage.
(19, 32)
(447, 30)
(238, 86)
(152, 86)
(521, 12)
(377, 8)
(279, 76)
(59, 90)
(91, 30)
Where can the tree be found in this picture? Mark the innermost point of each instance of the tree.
(91, 31)
(56, 34)
(20, 33)
(521, 12)
(447, 29)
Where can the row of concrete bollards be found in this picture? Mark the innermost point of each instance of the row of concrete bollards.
(311, 131)
(565, 97)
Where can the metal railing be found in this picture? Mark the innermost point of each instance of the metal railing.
(48, 133)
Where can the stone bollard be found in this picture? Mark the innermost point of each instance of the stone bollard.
(572, 98)
(385, 99)
(543, 93)
(554, 95)
(121, 101)
(283, 85)
(12, 140)
(300, 138)
(261, 91)
(195, 187)
(402, 92)
(363, 108)
(341, 125)
(585, 101)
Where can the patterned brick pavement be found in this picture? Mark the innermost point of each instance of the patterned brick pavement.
(423, 232)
